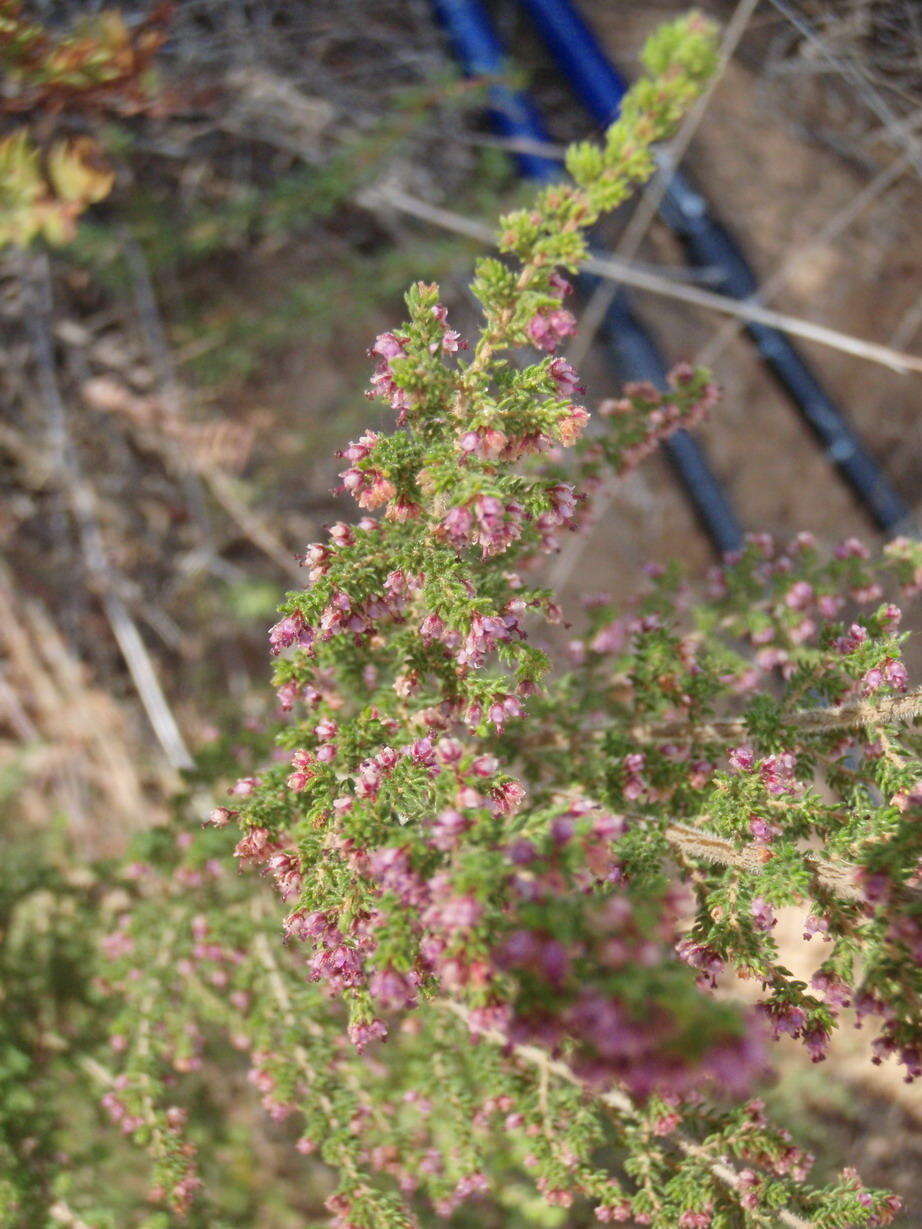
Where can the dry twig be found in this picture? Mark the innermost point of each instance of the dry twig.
(851, 715)
(82, 501)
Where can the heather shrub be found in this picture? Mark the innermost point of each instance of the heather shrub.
(501, 865)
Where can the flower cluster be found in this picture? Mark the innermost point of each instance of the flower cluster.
(428, 1115)
(509, 892)
(644, 416)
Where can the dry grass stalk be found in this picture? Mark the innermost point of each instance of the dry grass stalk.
(68, 739)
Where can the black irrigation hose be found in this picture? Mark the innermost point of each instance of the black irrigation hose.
(630, 347)
(708, 244)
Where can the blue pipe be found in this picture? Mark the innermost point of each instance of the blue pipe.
(512, 113)
(630, 346)
(708, 244)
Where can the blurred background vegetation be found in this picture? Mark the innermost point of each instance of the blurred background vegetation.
(181, 360)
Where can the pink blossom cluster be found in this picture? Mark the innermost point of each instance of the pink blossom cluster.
(550, 326)
(612, 1041)
(645, 416)
(571, 989)
(389, 347)
(488, 522)
(186, 1183)
(490, 444)
(494, 525)
(776, 772)
(343, 615)
(788, 1018)
(369, 486)
(386, 348)
(265, 1081)
(890, 673)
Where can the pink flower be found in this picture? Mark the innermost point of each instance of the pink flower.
(362, 1035)
(610, 1213)
(783, 1018)
(701, 957)
(565, 377)
(559, 285)
(695, 1220)
(358, 451)
(257, 845)
(285, 868)
(852, 548)
(570, 425)
(799, 596)
(742, 758)
(507, 797)
(286, 632)
(388, 345)
(393, 990)
(762, 830)
(484, 765)
(341, 534)
(521, 852)
(117, 944)
(829, 605)
(299, 780)
(486, 443)
(303, 926)
(457, 913)
(339, 965)
(777, 773)
(287, 694)
(817, 1042)
(832, 988)
(872, 680)
(244, 787)
(895, 674)
(448, 828)
(762, 915)
(376, 489)
(457, 525)
(547, 329)
(220, 817)
(449, 750)
(815, 926)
